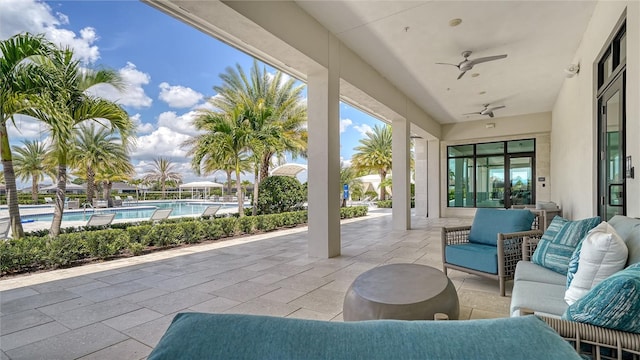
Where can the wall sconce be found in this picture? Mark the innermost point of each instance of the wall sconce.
(572, 70)
(490, 125)
(629, 168)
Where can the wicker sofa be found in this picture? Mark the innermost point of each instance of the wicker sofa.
(541, 291)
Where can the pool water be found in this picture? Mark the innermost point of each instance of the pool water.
(136, 212)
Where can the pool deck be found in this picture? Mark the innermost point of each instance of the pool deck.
(119, 309)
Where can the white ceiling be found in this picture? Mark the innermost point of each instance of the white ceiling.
(404, 39)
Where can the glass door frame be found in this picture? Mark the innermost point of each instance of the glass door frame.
(507, 178)
(605, 186)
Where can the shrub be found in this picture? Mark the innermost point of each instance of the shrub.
(163, 235)
(228, 225)
(138, 234)
(212, 230)
(383, 203)
(278, 194)
(107, 243)
(65, 249)
(22, 254)
(247, 224)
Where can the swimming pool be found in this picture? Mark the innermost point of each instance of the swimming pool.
(142, 211)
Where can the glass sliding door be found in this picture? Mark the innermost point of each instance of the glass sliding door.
(490, 181)
(612, 186)
(521, 189)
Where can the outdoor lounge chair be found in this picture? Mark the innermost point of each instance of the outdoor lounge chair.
(101, 219)
(5, 228)
(48, 200)
(130, 199)
(210, 210)
(160, 214)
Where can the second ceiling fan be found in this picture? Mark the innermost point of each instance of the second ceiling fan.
(488, 111)
(467, 64)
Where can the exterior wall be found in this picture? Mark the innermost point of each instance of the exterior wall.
(536, 126)
(574, 128)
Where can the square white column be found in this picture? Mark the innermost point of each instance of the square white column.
(323, 108)
(434, 178)
(421, 178)
(401, 211)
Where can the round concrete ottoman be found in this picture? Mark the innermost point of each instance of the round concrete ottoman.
(402, 292)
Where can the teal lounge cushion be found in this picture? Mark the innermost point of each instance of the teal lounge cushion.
(234, 336)
(613, 303)
(559, 242)
(487, 223)
(473, 256)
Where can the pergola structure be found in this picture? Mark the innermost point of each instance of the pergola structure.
(205, 186)
(381, 58)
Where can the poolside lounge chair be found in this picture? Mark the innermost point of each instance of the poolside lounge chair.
(5, 228)
(48, 200)
(211, 210)
(130, 199)
(101, 219)
(117, 201)
(160, 214)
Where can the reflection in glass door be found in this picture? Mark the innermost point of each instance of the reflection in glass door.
(611, 148)
(520, 190)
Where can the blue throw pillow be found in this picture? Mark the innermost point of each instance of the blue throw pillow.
(559, 242)
(489, 222)
(613, 304)
(573, 264)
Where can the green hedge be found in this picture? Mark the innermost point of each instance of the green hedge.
(38, 251)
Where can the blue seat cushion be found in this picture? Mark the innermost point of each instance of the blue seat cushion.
(236, 336)
(473, 256)
(489, 222)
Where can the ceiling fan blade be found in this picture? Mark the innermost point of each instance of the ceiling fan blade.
(487, 58)
(473, 113)
(497, 107)
(447, 64)
(461, 74)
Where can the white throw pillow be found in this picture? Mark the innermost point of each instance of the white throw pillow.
(603, 254)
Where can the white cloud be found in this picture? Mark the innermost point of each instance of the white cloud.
(141, 128)
(363, 129)
(179, 96)
(344, 124)
(25, 127)
(161, 142)
(182, 124)
(37, 18)
(133, 94)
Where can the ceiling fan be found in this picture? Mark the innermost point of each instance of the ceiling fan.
(487, 110)
(467, 64)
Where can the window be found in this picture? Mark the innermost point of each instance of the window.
(479, 175)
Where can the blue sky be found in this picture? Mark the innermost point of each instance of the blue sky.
(170, 69)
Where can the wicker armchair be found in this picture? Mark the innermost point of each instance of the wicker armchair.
(509, 252)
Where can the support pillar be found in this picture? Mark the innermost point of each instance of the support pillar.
(421, 178)
(323, 108)
(434, 178)
(401, 211)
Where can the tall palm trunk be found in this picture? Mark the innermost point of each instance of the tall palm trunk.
(383, 189)
(106, 192)
(10, 183)
(91, 185)
(34, 189)
(229, 172)
(264, 167)
(59, 200)
(256, 173)
(239, 191)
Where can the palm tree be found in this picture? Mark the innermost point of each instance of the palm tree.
(374, 154)
(162, 173)
(96, 146)
(349, 177)
(66, 104)
(113, 170)
(274, 109)
(17, 91)
(29, 165)
(226, 138)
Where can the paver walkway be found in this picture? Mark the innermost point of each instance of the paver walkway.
(120, 309)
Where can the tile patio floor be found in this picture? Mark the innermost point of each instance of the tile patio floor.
(120, 309)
